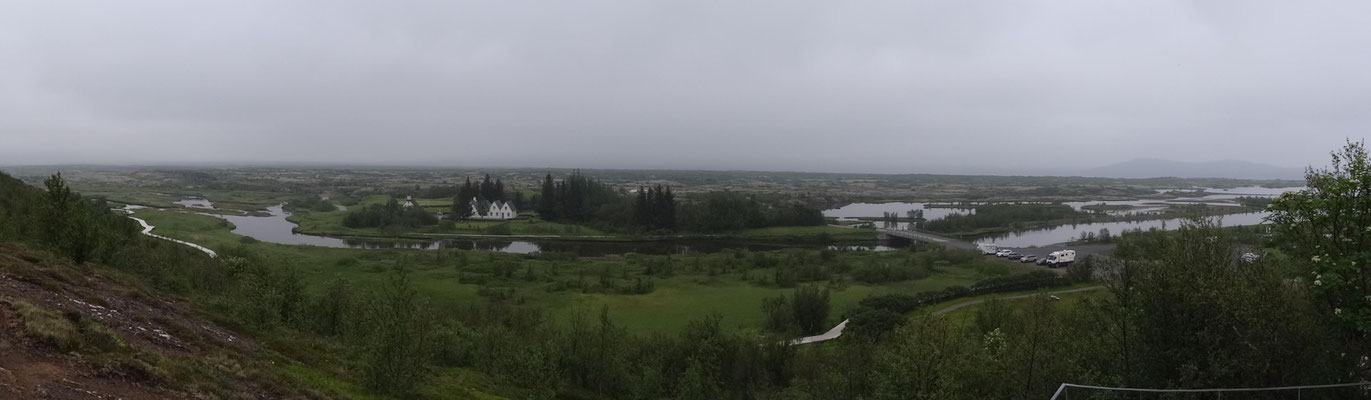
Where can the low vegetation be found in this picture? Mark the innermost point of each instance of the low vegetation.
(1177, 310)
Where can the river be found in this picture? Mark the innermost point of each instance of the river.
(1064, 233)
(274, 228)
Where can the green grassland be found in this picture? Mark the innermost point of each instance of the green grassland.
(724, 283)
(966, 315)
(531, 225)
(224, 200)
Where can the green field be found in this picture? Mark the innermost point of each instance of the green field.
(688, 294)
(224, 200)
(529, 224)
(965, 315)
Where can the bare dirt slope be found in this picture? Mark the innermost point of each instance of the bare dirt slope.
(87, 333)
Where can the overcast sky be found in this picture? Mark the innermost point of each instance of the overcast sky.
(903, 86)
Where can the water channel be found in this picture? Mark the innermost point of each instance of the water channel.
(274, 228)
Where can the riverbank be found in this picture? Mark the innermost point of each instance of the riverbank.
(532, 228)
(857, 237)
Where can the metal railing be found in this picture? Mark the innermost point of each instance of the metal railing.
(1063, 394)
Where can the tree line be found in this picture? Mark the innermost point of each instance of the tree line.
(483, 193)
(62, 220)
(580, 199)
(655, 209)
(389, 215)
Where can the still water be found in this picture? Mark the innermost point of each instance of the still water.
(195, 202)
(274, 228)
(1064, 233)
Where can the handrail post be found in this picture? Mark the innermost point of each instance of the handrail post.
(1059, 391)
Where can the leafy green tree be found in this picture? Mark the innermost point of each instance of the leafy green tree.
(810, 307)
(71, 224)
(1203, 318)
(778, 314)
(919, 361)
(1326, 228)
(394, 344)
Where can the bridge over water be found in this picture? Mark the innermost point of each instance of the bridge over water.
(924, 236)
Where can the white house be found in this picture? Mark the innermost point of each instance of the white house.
(496, 210)
(409, 202)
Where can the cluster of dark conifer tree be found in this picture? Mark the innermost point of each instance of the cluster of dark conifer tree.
(390, 214)
(483, 193)
(580, 199)
(655, 209)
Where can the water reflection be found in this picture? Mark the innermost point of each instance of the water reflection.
(871, 210)
(274, 228)
(1065, 233)
(195, 202)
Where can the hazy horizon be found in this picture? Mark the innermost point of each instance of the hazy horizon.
(891, 88)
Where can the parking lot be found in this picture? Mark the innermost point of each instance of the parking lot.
(1081, 250)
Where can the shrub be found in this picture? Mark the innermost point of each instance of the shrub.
(810, 307)
(69, 331)
(874, 324)
(777, 313)
(499, 229)
(1032, 280)
(1083, 270)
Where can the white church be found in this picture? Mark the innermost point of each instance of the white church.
(496, 210)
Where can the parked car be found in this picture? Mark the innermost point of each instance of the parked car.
(1042, 261)
(1003, 253)
(1014, 256)
(1029, 259)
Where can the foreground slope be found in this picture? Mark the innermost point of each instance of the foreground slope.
(89, 333)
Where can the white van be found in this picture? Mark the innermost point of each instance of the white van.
(987, 248)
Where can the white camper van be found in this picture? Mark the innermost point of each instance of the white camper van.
(1061, 258)
(987, 248)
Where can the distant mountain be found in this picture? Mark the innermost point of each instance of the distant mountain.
(1155, 168)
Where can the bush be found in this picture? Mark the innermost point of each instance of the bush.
(874, 324)
(810, 308)
(903, 303)
(1029, 281)
(499, 229)
(69, 331)
(1083, 270)
(395, 340)
(777, 313)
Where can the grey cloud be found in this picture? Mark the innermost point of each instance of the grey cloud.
(906, 86)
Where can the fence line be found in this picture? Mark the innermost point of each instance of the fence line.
(1062, 389)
